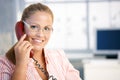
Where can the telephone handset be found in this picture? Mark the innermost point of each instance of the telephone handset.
(19, 29)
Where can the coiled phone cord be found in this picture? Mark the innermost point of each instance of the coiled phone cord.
(43, 70)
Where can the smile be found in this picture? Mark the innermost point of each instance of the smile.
(37, 40)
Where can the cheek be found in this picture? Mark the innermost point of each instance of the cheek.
(27, 31)
(29, 34)
(48, 37)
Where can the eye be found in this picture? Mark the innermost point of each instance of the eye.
(47, 29)
(34, 27)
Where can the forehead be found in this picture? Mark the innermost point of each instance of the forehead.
(41, 15)
(40, 18)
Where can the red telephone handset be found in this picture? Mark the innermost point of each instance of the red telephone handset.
(19, 29)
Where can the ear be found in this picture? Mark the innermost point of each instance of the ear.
(19, 29)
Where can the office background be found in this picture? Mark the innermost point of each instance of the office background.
(75, 26)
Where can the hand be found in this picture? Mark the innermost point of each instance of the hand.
(22, 51)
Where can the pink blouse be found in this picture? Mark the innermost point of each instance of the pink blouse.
(56, 62)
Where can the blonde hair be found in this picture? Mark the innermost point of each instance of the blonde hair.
(28, 11)
(33, 8)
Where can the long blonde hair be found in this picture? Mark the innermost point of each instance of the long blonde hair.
(28, 11)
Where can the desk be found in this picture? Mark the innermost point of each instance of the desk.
(101, 69)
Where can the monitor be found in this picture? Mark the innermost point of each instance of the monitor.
(108, 41)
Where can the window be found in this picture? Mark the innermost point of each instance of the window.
(76, 21)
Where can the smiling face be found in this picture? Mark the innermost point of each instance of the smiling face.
(39, 38)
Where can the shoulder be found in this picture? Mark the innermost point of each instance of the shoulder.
(57, 55)
(5, 63)
(55, 52)
(3, 59)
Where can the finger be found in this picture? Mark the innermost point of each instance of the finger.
(21, 39)
(30, 48)
(26, 45)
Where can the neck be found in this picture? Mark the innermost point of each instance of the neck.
(39, 55)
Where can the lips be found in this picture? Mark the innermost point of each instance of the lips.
(38, 44)
(37, 40)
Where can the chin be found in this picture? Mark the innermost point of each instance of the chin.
(37, 48)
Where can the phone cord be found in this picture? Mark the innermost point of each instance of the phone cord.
(43, 70)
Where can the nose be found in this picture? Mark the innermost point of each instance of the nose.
(40, 33)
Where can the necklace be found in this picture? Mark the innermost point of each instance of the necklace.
(40, 65)
(43, 70)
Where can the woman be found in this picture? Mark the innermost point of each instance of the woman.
(44, 64)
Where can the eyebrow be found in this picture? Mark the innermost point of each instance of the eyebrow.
(35, 24)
